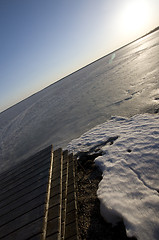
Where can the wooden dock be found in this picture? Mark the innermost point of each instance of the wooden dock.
(38, 198)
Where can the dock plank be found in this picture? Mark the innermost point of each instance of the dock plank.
(26, 232)
(21, 221)
(23, 189)
(14, 182)
(27, 163)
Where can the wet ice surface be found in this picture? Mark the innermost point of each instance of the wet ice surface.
(123, 83)
(130, 166)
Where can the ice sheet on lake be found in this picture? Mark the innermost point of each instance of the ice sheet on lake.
(130, 169)
(126, 86)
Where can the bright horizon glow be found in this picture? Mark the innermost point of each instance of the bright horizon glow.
(135, 16)
(42, 42)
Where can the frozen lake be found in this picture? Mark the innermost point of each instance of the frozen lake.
(123, 83)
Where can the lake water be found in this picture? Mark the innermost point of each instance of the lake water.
(124, 83)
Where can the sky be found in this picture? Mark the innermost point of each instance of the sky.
(41, 41)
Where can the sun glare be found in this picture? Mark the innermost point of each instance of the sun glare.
(135, 16)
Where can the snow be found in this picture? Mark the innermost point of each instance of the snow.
(130, 169)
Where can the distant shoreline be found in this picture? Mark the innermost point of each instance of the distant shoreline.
(152, 31)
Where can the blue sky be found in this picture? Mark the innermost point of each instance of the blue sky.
(44, 40)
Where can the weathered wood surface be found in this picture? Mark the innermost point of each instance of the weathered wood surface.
(23, 197)
(54, 217)
(38, 199)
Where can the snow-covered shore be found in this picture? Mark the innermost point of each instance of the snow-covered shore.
(130, 166)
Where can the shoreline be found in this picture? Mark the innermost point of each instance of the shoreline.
(126, 152)
(91, 224)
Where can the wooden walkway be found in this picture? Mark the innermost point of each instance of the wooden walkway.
(38, 198)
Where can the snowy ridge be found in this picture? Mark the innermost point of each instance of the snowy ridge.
(130, 166)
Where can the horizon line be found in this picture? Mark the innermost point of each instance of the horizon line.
(70, 74)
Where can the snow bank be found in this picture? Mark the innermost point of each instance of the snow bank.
(130, 169)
